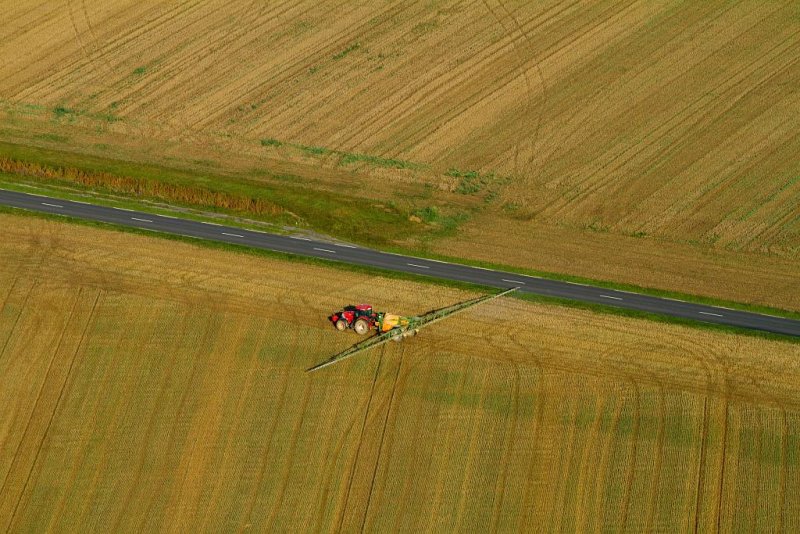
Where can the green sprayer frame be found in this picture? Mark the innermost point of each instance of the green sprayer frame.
(414, 323)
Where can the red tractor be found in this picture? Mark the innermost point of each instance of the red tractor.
(360, 318)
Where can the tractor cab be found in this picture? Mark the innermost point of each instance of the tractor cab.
(360, 317)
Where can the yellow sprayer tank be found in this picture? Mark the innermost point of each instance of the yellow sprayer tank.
(390, 320)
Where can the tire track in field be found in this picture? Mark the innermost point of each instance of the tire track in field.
(659, 459)
(293, 118)
(55, 409)
(508, 444)
(508, 440)
(663, 52)
(520, 69)
(380, 443)
(429, 96)
(704, 423)
(277, 417)
(402, 502)
(753, 504)
(337, 452)
(588, 468)
(470, 463)
(143, 94)
(284, 480)
(278, 501)
(257, 124)
(439, 486)
(170, 86)
(720, 484)
(576, 190)
(295, 68)
(605, 458)
(16, 320)
(698, 501)
(402, 105)
(668, 127)
(784, 471)
(558, 487)
(343, 511)
(543, 84)
(434, 111)
(8, 294)
(109, 70)
(146, 429)
(216, 89)
(541, 396)
(289, 115)
(630, 473)
(15, 456)
(723, 184)
(567, 133)
(53, 82)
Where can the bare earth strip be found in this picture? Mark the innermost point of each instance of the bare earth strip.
(152, 385)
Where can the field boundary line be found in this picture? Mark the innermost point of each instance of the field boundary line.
(55, 409)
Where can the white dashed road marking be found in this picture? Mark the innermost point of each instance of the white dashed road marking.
(141, 220)
(610, 297)
(513, 281)
(325, 250)
(418, 266)
(51, 205)
(709, 313)
(232, 235)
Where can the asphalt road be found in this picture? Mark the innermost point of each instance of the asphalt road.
(409, 264)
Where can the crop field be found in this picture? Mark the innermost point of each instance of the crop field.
(635, 129)
(147, 384)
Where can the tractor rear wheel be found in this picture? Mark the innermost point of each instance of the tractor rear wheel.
(341, 325)
(361, 326)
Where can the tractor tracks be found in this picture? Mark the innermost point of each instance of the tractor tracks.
(343, 511)
(56, 406)
(383, 437)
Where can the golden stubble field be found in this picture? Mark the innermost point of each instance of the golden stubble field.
(658, 134)
(154, 385)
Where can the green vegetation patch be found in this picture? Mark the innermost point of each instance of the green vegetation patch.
(287, 203)
(353, 47)
(471, 182)
(348, 158)
(271, 142)
(62, 112)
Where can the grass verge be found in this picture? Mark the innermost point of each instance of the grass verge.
(289, 203)
(375, 271)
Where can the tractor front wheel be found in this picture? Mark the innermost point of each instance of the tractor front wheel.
(341, 325)
(361, 326)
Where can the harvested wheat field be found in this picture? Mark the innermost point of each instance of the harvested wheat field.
(656, 127)
(152, 385)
